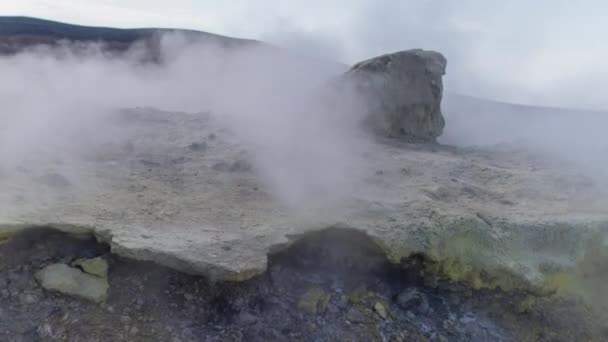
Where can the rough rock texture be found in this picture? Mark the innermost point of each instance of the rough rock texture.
(96, 266)
(71, 281)
(403, 93)
(492, 218)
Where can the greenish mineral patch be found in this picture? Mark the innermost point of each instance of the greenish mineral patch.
(72, 281)
(314, 301)
(96, 266)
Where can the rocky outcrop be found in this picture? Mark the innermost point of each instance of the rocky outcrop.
(402, 93)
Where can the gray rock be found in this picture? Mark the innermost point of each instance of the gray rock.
(411, 298)
(381, 310)
(355, 316)
(72, 281)
(28, 298)
(96, 266)
(246, 318)
(403, 93)
(467, 318)
(237, 166)
(55, 180)
(314, 301)
(198, 146)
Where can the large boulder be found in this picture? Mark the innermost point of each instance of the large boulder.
(402, 94)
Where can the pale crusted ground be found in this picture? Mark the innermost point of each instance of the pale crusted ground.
(497, 217)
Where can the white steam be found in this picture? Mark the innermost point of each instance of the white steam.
(279, 105)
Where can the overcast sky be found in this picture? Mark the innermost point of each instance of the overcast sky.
(546, 52)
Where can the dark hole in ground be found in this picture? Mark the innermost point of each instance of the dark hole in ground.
(334, 285)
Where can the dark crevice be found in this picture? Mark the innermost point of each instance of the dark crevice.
(330, 285)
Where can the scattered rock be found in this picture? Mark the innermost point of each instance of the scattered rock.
(467, 318)
(198, 146)
(411, 298)
(238, 166)
(355, 316)
(44, 330)
(403, 91)
(96, 266)
(133, 330)
(246, 318)
(314, 301)
(72, 281)
(55, 180)
(360, 295)
(179, 160)
(381, 310)
(149, 163)
(28, 298)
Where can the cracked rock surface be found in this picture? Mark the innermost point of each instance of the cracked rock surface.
(488, 217)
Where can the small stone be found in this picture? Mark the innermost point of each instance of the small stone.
(71, 281)
(412, 298)
(55, 180)
(467, 318)
(198, 147)
(221, 166)
(133, 330)
(334, 309)
(44, 330)
(355, 316)
(96, 266)
(28, 298)
(149, 163)
(189, 297)
(246, 318)
(381, 310)
(396, 338)
(425, 308)
(238, 166)
(314, 301)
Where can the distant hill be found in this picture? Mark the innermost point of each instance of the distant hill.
(18, 33)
